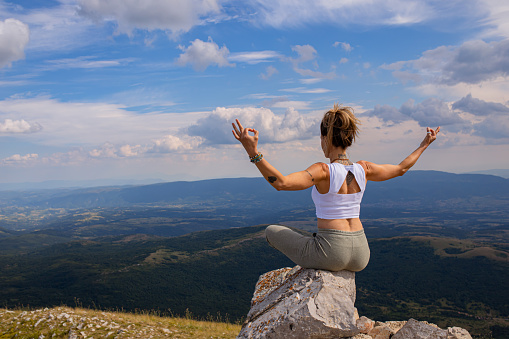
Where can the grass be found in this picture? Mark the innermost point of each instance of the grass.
(66, 322)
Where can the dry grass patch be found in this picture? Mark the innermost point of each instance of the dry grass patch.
(66, 322)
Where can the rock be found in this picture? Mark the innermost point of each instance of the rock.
(305, 303)
(365, 324)
(381, 332)
(458, 333)
(394, 325)
(361, 336)
(420, 330)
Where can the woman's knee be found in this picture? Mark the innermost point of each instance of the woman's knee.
(271, 231)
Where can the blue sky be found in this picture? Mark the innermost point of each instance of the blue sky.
(135, 89)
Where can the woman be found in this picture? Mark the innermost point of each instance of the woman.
(340, 242)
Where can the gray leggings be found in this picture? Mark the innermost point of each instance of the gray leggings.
(331, 250)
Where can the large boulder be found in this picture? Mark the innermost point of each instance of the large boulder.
(302, 303)
(420, 330)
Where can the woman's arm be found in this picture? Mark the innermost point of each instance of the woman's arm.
(292, 182)
(375, 172)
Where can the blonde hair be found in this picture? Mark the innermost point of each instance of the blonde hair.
(339, 126)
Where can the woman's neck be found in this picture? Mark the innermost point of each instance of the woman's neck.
(339, 155)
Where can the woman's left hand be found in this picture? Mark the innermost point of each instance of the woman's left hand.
(431, 135)
(250, 142)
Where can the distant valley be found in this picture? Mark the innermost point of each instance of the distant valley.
(439, 242)
(429, 202)
(442, 280)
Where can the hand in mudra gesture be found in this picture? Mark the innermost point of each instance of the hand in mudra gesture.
(250, 142)
(431, 135)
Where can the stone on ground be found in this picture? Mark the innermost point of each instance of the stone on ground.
(305, 303)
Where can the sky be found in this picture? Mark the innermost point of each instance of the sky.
(148, 89)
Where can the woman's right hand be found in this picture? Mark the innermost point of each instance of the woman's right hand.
(250, 142)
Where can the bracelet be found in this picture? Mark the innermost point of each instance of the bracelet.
(256, 158)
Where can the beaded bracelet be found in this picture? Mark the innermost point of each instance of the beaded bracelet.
(256, 158)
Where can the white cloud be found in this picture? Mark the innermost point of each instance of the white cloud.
(473, 62)
(497, 21)
(173, 16)
(485, 122)
(431, 112)
(254, 57)
(54, 28)
(292, 13)
(494, 128)
(307, 90)
(14, 36)
(480, 107)
(89, 124)
(19, 126)
(344, 45)
(305, 52)
(343, 60)
(308, 53)
(310, 81)
(269, 72)
(87, 62)
(216, 128)
(172, 143)
(18, 159)
(201, 54)
(315, 74)
(291, 104)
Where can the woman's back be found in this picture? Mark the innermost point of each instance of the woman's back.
(343, 198)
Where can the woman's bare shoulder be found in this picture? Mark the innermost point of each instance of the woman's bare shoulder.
(365, 164)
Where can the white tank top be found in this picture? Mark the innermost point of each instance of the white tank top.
(332, 205)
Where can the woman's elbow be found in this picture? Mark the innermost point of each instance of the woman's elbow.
(277, 184)
(281, 185)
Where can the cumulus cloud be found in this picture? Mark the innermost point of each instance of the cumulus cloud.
(172, 16)
(14, 36)
(269, 72)
(473, 62)
(166, 144)
(493, 128)
(430, 112)
(480, 107)
(305, 54)
(487, 121)
(388, 113)
(344, 45)
(107, 150)
(493, 116)
(216, 128)
(172, 143)
(19, 126)
(18, 159)
(201, 54)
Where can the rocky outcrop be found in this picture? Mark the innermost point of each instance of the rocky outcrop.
(302, 303)
(307, 303)
(408, 329)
